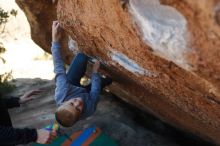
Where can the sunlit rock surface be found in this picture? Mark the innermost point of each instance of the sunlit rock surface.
(163, 55)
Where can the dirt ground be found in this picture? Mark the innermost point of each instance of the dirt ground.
(112, 116)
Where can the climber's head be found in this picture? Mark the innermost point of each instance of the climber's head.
(69, 112)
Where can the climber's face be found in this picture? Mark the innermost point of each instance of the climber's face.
(72, 105)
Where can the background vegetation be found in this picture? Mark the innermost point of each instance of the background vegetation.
(5, 87)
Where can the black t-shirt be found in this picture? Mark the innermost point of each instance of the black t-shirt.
(10, 136)
(5, 118)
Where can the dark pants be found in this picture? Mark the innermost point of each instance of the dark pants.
(77, 70)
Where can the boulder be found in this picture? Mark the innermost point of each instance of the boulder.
(164, 56)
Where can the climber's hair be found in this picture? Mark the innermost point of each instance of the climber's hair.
(66, 118)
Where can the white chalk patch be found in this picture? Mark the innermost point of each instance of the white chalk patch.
(130, 65)
(73, 46)
(163, 28)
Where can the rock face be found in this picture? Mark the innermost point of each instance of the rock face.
(163, 55)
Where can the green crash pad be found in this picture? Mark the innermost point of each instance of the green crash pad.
(100, 140)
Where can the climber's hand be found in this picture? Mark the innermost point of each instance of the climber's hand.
(56, 31)
(96, 66)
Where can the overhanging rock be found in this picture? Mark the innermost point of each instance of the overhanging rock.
(164, 55)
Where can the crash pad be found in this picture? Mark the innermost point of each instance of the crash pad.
(92, 136)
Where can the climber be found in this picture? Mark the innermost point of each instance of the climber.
(74, 101)
(10, 136)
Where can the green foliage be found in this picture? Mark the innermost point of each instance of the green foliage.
(3, 16)
(5, 87)
(14, 12)
(2, 50)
